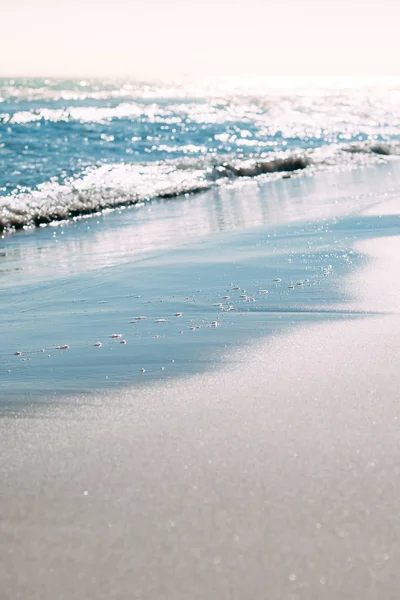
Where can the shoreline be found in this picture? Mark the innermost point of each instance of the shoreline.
(113, 187)
(277, 471)
(97, 280)
(279, 475)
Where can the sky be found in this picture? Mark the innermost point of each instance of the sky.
(178, 38)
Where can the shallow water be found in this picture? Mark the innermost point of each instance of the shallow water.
(79, 284)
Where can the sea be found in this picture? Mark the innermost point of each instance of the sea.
(77, 147)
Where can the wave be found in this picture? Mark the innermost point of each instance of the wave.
(82, 114)
(293, 162)
(115, 186)
(381, 148)
(106, 187)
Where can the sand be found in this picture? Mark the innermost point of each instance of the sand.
(275, 477)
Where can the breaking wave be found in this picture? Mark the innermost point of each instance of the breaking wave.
(382, 148)
(110, 187)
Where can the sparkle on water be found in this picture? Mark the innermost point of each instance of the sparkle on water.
(109, 143)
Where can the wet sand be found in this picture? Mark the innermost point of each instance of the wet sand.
(275, 477)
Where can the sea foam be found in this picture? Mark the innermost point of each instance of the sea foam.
(110, 187)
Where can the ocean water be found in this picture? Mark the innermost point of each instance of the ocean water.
(70, 148)
(260, 248)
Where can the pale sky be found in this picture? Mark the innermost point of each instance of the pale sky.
(161, 38)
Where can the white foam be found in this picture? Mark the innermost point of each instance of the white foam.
(108, 187)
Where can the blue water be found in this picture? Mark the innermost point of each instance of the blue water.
(75, 147)
(69, 149)
(79, 283)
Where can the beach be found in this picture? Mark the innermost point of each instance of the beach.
(262, 462)
(199, 359)
(183, 283)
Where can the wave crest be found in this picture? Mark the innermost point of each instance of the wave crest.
(110, 187)
(254, 168)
